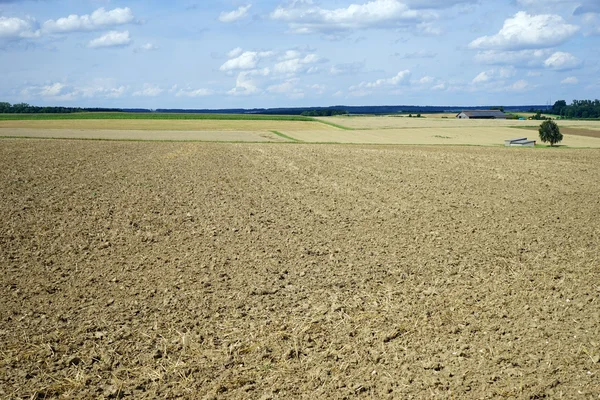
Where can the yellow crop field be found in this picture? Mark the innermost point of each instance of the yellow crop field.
(356, 130)
(168, 125)
(151, 135)
(484, 136)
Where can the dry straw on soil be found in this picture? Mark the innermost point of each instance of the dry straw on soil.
(194, 270)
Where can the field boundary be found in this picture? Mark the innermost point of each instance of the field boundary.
(283, 135)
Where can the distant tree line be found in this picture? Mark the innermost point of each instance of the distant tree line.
(24, 108)
(577, 109)
(323, 113)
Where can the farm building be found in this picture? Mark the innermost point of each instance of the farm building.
(519, 142)
(482, 114)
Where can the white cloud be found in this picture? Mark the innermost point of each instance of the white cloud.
(417, 54)
(287, 88)
(482, 77)
(571, 80)
(425, 80)
(244, 60)
(235, 52)
(494, 75)
(52, 90)
(111, 39)
(520, 58)
(537, 3)
(149, 91)
(304, 17)
(428, 29)
(101, 88)
(244, 85)
(98, 88)
(194, 92)
(589, 7)
(583, 6)
(148, 47)
(519, 85)
(99, 19)
(318, 89)
(347, 69)
(17, 28)
(562, 61)
(296, 65)
(235, 15)
(290, 54)
(400, 78)
(524, 31)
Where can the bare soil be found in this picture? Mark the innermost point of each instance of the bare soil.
(135, 134)
(578, 132)
(269, 271)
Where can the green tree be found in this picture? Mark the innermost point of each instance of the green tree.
(549, 132)
(558, 107)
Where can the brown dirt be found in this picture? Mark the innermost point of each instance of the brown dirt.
(194, 270)
(581, 132)
(574, 131)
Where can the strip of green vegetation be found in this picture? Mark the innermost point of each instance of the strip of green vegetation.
(283, 135)
(335, 125)
(153, 116)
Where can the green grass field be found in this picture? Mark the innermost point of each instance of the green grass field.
(155, 116)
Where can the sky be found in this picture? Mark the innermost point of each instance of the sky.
(298, 53)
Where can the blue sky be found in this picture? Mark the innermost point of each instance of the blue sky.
(278, 53)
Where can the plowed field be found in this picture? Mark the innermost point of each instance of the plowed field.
(269, 271)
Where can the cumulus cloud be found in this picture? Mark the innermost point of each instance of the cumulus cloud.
(582, 6)
(244, 60)
(571, 80)
(194, 92)
(400, 78)
(482, 77)
(99, 19)
(98, 88)
(525, 31)
(519, 86)
(235, 52)
(417, 54)
(244, 85)
(149, 91)
(425, 80)
(235, 15)
(420, 4)
(318, 89)
(305, 17)
(148, 47)
(287, 88)
(562, 61)
(520, 58)
(52, 90)
(111, 39)
(494, 74)
(17, 28)
(297, 64)
(347, 68)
